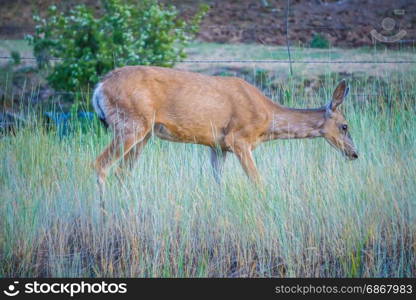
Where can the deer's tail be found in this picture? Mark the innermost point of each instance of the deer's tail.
(99, 103)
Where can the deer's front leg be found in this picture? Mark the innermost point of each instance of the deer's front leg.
(243, 152)
(245, 157)
(217, 162)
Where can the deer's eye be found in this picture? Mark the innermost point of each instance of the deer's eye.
(344, 127)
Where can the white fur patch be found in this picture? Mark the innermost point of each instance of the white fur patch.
(98, 101)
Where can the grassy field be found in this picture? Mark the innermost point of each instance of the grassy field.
(318, 215)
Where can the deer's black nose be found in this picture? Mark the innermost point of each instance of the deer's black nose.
(354, 155)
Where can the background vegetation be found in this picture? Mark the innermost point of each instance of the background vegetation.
(89, 46)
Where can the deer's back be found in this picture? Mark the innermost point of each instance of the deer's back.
(190, 107)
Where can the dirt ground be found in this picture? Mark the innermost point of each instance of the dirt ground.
(345, 23)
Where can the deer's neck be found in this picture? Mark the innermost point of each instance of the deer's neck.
(290, 123)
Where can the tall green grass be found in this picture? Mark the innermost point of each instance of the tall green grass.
(318, 215)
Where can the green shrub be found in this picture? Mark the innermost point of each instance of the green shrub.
(16, 58)
(319, 41)
(89, 46)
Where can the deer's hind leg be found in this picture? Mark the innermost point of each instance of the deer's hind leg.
(122, 143)
(131, 157)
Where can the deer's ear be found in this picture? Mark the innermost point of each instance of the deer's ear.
(339, 95)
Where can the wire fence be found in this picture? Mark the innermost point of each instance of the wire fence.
(265, 61)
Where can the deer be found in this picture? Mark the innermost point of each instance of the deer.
(227, 114)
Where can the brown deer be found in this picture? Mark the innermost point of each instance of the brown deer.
(226, 114)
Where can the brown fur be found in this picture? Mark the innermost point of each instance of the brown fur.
(224, 113)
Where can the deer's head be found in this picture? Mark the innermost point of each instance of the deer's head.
(335, 129)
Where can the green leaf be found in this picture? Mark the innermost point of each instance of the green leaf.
(146, 33)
